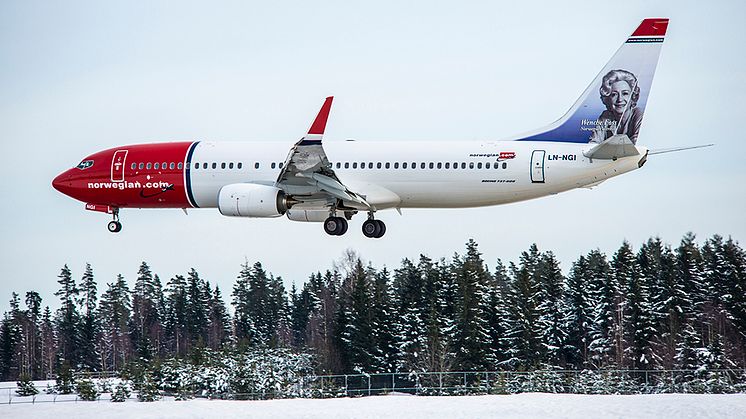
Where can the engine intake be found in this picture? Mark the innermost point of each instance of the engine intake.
(252, 200)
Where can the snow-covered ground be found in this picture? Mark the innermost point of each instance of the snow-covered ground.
(527, 405)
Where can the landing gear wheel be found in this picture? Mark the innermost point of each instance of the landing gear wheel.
(374, 228)
(381, 229)
(114, 226)
(335, 226)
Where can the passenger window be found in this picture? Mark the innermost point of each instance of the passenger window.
(148, 166)
(281, 163)
(140, 166)
(422, 165)
(370, 165)
(240, 165)
(181, 165)
(463, 165)
(273, 165)
(256, 165)
(339, 165)
(505, 165)
(396, 165)
(204, 165)
(214, 165)
(134, 165)
(479, 165)
(163, 165)
(347, 165)
(388, 165)
(222, 165)
(448, 165)
(230, 165)
(354, 165)
(171, 166)
(378, 165)
(455, 165)
(431, 165)
(440, 165)
(487, 165)
(155, 166)
(414, 165)
(471, 165)
(404, 165)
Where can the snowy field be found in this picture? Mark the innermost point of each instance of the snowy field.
(527, 405)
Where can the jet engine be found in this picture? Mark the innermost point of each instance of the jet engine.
(252, 200)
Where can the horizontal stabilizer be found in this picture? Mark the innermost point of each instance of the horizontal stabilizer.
(615, 147)
(671, 150)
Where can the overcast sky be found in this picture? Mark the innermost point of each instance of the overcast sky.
(78, 77)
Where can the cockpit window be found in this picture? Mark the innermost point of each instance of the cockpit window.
(85, 164)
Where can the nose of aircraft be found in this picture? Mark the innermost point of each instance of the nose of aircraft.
(62, 182)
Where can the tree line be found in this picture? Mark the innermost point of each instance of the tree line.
(658, 307)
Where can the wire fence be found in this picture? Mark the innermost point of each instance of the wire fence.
(441, 384)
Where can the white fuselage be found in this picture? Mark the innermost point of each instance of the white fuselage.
(376, 170)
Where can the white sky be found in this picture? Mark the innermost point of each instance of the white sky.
(78, 77)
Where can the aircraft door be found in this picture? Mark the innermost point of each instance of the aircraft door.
(537, 166)
(117, 165)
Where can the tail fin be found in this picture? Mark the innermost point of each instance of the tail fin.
(623, 86)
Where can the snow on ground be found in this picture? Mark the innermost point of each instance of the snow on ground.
(527, 405)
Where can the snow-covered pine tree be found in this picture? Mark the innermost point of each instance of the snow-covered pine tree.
(33, 333)
(197, 312)
(113, 314)
(64, 383)
(175, 318)
(243, 325)
(579, 319)
(408, 286)
(552, 310)
(148, 388)
(145, 314)
(219, 322)
(67, 319)
(471, 338)
(121, 392)
(382, 322)
(604, 292)
(669, 300)
(26, 386)
(524, 334)
(89, 327)
(638, 320)
(86, 389)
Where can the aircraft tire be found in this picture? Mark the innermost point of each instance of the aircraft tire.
(381, 229)
(332, 225)
(114, 226)
(370, 228)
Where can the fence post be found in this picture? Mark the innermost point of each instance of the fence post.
(393, 381)
(487, 379)
(440, 379)
(369, 385)
(464, 380)
(347, 390)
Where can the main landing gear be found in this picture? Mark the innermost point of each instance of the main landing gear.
(374, 228)
(115, 226)
(337, 226)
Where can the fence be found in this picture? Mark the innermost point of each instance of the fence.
(460, 383)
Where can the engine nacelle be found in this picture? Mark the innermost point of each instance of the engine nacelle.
(308, 216)
(252, 200)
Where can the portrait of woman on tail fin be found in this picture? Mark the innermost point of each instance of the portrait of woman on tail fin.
(619, 93)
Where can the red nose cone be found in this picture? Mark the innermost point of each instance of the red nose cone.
(62, 182)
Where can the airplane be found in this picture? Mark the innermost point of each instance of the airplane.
(330, 182)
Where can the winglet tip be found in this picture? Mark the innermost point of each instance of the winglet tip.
(319, 124)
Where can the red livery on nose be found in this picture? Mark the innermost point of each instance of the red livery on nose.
(63, 183)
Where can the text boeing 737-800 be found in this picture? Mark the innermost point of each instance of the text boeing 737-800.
(331, 182)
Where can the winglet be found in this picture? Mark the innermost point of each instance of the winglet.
(319, 124)
(652, 27)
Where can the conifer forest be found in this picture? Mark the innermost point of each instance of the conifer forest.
(652, 307)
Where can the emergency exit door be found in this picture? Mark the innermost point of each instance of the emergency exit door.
(117, 165)
(537, 166)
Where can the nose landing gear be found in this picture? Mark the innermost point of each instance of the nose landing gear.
(115, 226)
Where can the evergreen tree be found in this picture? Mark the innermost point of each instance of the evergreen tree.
(243, 324)
(580, 308)
(552, 310)
(408, 287)
(604, 291)
(68, 319)
(176, 320)
(114, 314)
(219, 321)
(33, 333)
(638, 320)
(471, 339)
(382, 322)
(355, 334)
(524, 332)
(88, 325)
(145, 316)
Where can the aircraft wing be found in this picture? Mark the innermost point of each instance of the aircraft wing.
(308, 176)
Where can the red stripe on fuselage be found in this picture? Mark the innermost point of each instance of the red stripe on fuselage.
(143, 186)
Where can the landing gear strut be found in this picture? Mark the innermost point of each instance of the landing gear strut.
(115, 226)
(335, 226)
(373, 228)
